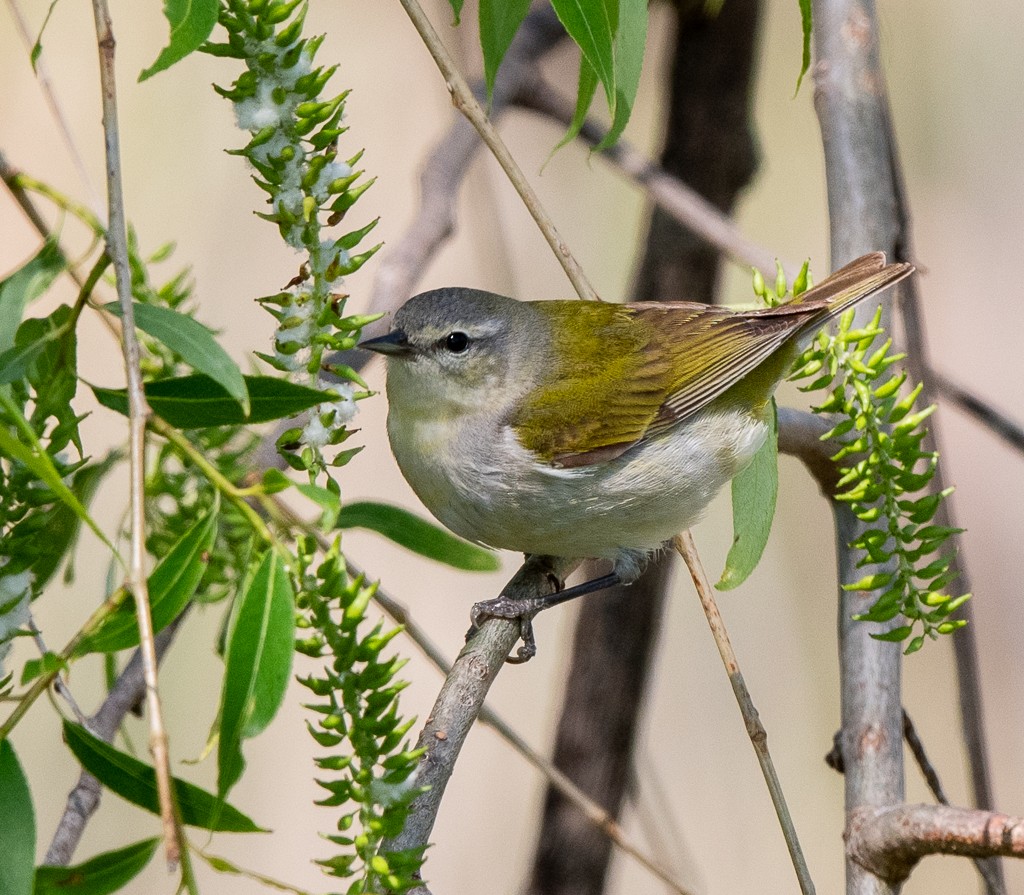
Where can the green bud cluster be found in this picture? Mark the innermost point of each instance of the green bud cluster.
(884, 476)
(357, 707)
(294, 151)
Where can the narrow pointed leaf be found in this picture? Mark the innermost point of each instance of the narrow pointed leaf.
(585, 90)
(18, 825)
(135, 781)
(196, 402)
(418, 535)
(101, 875)
(592, 24)
(806, 25)
(499, 22)
(171, 585)
(25, 285)
(194, 342)
(257, 666)
(754, 492)
(40, 463)
(629, 58)
(191, 24)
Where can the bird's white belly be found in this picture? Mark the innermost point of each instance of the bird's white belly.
(483, 485)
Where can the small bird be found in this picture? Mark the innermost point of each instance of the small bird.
(590, 429)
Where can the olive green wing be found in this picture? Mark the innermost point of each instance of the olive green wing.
(629, 371)
(622, 373)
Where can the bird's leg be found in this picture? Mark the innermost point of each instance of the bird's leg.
(524, 609)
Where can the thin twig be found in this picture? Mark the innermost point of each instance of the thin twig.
(465, 102)
(683, 543)
(138, 410)
(59, 684)
(980, 410)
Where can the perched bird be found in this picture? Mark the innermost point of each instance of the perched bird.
(590, 429)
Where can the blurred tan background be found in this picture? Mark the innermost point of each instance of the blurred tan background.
(954, 74)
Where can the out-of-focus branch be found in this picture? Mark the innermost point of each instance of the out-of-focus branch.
(128, 691)
(980, 410)
(889, 841)
(677, 198)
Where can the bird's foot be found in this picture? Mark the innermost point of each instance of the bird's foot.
(521, 609)
(524, 609)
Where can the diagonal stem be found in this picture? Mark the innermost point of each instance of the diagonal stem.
(684, 545)
(466, 103)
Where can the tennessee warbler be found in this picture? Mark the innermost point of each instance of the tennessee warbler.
(589, 429)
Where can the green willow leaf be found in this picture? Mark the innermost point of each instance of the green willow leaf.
(193, 342)
(40, 463)
(257, 665)
(418, 535)
(806, 23)
(197, 402)
(585, 89)
(101, 875)
(191, 24)
(456, 6)
(499, 22)
(592, 24)
(754, 492)
(63, 523)
(18, 851)
(25, 285)
(135, 781)
(629, 58)
(171, 585)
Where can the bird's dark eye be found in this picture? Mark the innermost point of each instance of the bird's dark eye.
(456, 342)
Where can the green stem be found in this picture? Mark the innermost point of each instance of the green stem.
(216, 478)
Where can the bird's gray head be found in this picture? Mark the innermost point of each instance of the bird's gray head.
(462, 347)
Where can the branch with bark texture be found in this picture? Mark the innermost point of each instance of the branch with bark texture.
(138, 413)
(865, 211)
(888, 842)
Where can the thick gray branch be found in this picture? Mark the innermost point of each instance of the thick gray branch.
(849, 99)
(462, 696)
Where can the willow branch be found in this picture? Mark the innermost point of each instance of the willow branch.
(684, 545)
(464, 100)
(138, 410)
(461, 698)
(889, 841)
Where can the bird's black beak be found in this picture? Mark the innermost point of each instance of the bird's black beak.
(395, 343)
